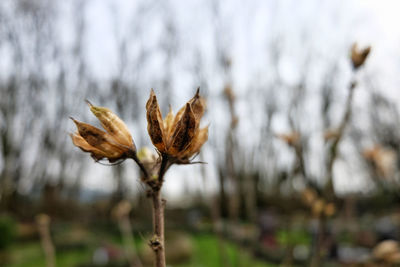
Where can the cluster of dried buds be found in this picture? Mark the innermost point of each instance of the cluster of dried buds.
(319, 207)
(358, 56)
(383, 160)
(114, 144)
(178, 138)
(291, 139)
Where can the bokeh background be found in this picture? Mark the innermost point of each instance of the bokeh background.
(279, 185)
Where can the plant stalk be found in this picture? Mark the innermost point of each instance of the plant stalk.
(157, 242)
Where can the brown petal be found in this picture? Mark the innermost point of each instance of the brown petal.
(199, 139)
(198, 104)
(184, 132)
(113, 125)
(100, 140)
(168, 125)
(82, 144)
(155, 125)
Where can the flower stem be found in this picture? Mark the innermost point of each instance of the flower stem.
(157, 242)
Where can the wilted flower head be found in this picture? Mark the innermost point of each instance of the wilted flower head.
(178, 136)
(387, 251)
(292, 139)
(358, 57)
(383, 160)
(331, 134)
(308, 196)
(114, 144)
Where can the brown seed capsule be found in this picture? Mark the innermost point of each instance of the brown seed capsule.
(292, 139)
(358, 57)
(99, 143)
(329, 210)
(179, 136)
(155, 125)
(113, 125)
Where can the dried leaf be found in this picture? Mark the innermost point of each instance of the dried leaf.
(155, 125)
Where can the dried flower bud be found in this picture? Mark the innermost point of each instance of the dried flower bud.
(358, 57)
(113, 125)
(329, 210)
(383, 160)
(229, 94)
(178, 136)
(331, 134)
(292, 139)
(114, 144)
(318, 207)
(385, 250)
(308, 196)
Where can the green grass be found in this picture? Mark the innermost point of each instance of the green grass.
(207, 251)
(31, 255)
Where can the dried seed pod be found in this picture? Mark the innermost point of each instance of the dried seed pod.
(358, 57)
(318, 207)
(178, 136)
(98, 142)
(331, 134)
(155, 125)
(292, 139)
(229, 94)
(184, 132)
(113, 125)
(308, 196)
(329, 210)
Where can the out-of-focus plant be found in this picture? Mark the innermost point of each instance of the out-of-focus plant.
(7, 231)
(386, 253)
(333, 138)
(121, 214)
(43, 224)
(177, 138)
